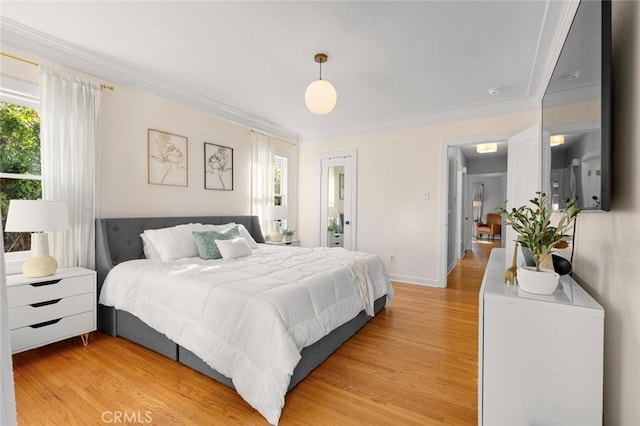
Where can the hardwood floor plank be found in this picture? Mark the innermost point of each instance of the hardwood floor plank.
(413, 364)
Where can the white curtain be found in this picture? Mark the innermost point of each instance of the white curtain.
(69, 137)
(262, 203)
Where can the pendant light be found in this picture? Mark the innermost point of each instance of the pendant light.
(320, 95)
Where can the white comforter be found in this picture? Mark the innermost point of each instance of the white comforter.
(250, 317)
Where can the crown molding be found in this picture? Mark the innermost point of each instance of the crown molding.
(569, 9)
(22, 37)
(33, 41)
(430, 117)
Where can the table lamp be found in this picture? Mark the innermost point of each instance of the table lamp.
(37, 217)
(277, 214)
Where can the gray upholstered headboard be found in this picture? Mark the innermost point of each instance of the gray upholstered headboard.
(118, 240)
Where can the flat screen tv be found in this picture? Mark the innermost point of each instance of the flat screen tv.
(576, 113)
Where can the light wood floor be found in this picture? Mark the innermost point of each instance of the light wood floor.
(415, 363)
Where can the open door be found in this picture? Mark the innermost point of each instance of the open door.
(524, 176)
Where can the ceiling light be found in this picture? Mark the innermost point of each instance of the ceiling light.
(485, 148)
(494, 91)
(320, 95)
(556, 140)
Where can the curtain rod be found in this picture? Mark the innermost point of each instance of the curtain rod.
(275, 137)
(26, 61)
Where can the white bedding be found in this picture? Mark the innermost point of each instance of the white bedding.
(249, 318)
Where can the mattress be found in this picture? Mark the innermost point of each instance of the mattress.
(250, 317)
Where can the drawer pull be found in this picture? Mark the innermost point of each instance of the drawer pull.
(48, 302)
(46, 323)
(43, 283)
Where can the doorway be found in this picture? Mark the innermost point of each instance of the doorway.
(338, 173)
(456, 207)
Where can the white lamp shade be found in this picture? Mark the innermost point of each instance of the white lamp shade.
(279, 212)
(37, 216)
(320, 97)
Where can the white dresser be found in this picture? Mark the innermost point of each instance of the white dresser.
(47, 309)
(540, 358)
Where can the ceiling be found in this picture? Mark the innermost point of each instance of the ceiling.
(393, 63)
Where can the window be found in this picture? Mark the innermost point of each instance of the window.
(19, 164)
(280, 179)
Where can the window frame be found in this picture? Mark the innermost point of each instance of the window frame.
(284, 179)
(284, 185)
(25, 94)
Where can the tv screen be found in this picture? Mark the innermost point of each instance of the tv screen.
(576, 113)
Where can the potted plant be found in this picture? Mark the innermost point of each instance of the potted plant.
(532, 223)
(287, 234)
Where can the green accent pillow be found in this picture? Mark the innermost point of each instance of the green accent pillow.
(206, 242)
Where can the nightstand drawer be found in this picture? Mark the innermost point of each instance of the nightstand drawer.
(47, 332)
(27, 294)
(37, 313)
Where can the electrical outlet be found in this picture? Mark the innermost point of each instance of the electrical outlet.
(392, 258)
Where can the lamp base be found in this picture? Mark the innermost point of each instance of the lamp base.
(40, 266)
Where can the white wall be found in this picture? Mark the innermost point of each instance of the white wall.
(493, 164)
(395, 169)
(606, 259)
(127, 114)
(123, 188)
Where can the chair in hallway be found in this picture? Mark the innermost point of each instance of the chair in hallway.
(492, 228)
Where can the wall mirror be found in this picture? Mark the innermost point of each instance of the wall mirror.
(576, 113)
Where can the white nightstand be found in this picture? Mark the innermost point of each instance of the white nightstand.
(48, 309)
(292, 243)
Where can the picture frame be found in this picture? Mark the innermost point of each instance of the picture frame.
(341, 186)
(218, 167)
(167, 158)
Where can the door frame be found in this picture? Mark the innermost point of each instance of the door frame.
(350, 196)
(443, 241)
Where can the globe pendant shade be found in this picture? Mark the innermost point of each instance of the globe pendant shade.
(320, 97)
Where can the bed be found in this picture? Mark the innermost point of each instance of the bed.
(119, 248)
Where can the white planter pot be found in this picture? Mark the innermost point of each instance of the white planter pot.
(544, 281)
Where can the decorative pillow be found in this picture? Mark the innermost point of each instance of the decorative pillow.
(149, 250)
(175, 242)
(247, 236)
(206, 242)
(231, 249)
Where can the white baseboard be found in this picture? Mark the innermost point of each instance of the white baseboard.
(414, 280)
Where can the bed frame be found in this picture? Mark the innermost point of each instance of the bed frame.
(118, 240)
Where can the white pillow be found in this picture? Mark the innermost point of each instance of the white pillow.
(231, 249)
(217, 228)
(247, 236)
(175, 242)
(149, 250)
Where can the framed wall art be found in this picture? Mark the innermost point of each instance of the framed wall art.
(167, 161)
(218, 167)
